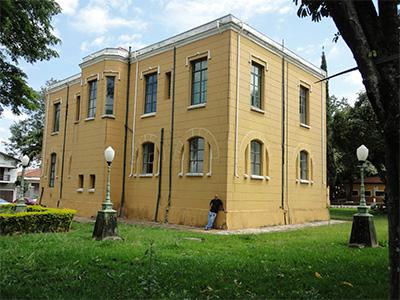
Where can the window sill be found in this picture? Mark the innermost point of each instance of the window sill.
(195, 106)
(90, 190)
(257, 177)
(303, 181)
(76, 121)
(89, 119)
(108, 117)
(194, 174)
(55, 133)
(305, 126)
(256, 109)
(148, 115)
(146, 175)
(80, 190)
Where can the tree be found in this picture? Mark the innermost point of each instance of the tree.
(27, 135)
(372, 34)
(26, 33)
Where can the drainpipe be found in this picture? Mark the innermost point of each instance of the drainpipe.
(159, 174)
(172, 139)
(283, 135)
(134, 116)
(121, 209)
(63, 147)
(235, 164)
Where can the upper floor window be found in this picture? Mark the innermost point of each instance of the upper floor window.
(255, 158)
(78, 108)
(199, 81)
(196, 155)
(150, 101)
(148, 158)
(56, 120)
(92, 182)
(80, 181)
(256, 82)
(109, 106)
(304, 105)
(304, 165)
(52, 175)
(92, 99)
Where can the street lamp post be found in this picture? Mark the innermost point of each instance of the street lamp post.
(106, 221)
(21, 206)
(363, 232)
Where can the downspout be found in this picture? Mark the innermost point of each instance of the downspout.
(128, 84)
(235, 165)
(159, 174)
(63, 147)
(283, 136)
(172, 139)
(134, 116)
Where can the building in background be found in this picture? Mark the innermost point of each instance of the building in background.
(32, 180)
(374, 190)
(8, 176)
(219, 109)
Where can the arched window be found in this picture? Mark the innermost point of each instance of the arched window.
(52, 175)
(255, 158)
(304, 165)
(196, 155)
(148, 158)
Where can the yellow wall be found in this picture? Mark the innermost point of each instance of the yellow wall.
(249, 202)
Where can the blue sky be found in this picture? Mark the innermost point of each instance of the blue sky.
(85, 26)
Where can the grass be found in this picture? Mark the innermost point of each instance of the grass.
(153, 262)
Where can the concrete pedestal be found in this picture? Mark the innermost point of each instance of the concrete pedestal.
(363, 232)
(105, 227)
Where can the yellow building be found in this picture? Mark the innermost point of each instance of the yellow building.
(219, 109)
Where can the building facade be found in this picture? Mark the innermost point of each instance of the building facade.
(8, 176)
(219, 109)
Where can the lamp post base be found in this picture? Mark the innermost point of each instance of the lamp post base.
(363, 232)
(105, 227)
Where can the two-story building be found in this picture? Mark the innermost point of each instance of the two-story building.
(8, 176)
(219, 109)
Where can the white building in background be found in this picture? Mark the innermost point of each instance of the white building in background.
(8, 176)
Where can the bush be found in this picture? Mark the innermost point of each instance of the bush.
(36, 219)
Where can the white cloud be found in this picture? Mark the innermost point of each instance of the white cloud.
(189, 13)
(68, 6)
(354, 78)
(124, 40)
(98, 19)
(8, 115)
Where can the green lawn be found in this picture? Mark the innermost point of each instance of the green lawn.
(151, 262)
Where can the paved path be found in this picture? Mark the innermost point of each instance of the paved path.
(277, 228)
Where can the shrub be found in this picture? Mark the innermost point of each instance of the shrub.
(36, 219)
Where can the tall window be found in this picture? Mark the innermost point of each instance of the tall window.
(52, 174)
(196, 155)
(148, 158)
(256, 84)
(92, 181)
(80, 181)
(199, 81)
(304, 165)
(92, 99)
(304, 105)
(78, 108)
(109, 106)
(150, 101)
(56, 121)
(255, 158)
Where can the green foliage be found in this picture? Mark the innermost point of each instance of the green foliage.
(278, 265)
(36, 219)
(27, 135)
(26, 33)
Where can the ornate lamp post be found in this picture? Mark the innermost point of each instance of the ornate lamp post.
(363, 230)
(106, 221)
(21, 206)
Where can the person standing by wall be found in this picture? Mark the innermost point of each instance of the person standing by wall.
(215, 206)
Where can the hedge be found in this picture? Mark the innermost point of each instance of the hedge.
(36, 219)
